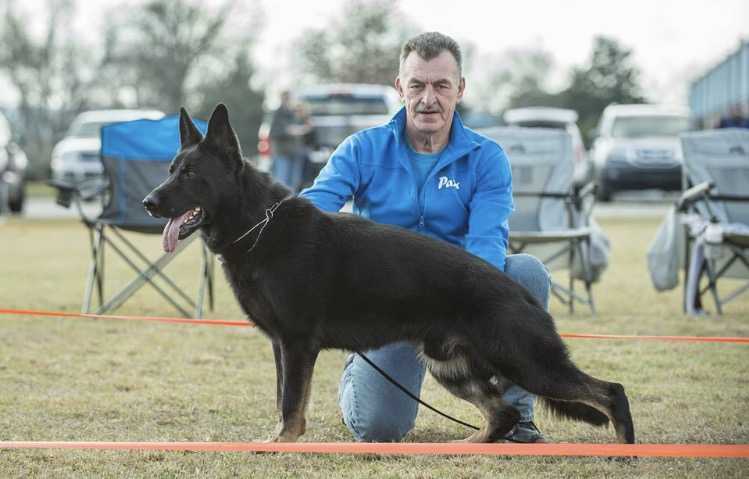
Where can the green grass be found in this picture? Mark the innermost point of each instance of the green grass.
(71, 379)
(39, 189)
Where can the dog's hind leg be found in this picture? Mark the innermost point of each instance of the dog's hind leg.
(572, 393)
(467, 381)
(298, 358)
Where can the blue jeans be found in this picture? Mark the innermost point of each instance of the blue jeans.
(376, 411)
(288, 169)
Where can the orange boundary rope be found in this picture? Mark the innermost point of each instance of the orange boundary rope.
(217, 322)
(159, 319)
(502, 449)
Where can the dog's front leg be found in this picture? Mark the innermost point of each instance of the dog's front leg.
(298, 358)
(277, 355)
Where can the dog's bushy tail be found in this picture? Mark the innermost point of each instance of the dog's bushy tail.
(577, 411)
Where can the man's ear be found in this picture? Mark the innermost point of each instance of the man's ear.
(461, 88)
(399, 88)
(188, 132)
(220, 132)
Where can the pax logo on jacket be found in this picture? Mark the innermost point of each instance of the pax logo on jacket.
(446, 182)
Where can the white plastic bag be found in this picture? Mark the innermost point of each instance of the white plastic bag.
(663, 253)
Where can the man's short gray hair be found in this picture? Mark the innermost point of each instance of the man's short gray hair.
(429, 45)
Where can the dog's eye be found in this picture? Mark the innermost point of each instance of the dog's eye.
(188, 172)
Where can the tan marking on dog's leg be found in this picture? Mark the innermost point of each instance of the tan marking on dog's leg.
(298, 363)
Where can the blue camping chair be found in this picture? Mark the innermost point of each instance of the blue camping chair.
(136, 157)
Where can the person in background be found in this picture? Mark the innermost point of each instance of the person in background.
(287, 132)
(734, 119)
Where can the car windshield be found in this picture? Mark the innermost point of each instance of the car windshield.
(649, 126)
(345, 105)
(88, 129)
(541, 124)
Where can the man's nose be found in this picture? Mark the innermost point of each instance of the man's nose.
(429, 97)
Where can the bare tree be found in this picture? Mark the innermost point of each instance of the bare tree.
(361, 47)
(49, 74)
(161, 43)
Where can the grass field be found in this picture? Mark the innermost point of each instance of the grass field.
(39, 189)
(71, 379)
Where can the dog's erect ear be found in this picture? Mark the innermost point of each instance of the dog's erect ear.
(220, 132)
(188, 132)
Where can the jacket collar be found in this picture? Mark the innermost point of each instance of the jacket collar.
(460, 142)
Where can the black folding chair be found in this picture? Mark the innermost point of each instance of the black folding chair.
(136, 157)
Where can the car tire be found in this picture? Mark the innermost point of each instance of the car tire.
(15, 204)
(603, 192)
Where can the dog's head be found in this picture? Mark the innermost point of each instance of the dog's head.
(201, 177)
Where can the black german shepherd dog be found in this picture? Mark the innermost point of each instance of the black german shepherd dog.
(312, 280)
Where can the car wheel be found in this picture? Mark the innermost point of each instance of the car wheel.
(16, 202)
(603, 192)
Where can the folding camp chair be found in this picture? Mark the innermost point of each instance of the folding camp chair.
(715, 205)
(136, 157)
(551, 220)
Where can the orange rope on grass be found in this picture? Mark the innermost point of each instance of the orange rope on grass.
(501, 449)
(217, 322)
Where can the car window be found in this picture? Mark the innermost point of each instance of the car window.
(345, 105)
(88, 129)
(648, 126)
(541, 124)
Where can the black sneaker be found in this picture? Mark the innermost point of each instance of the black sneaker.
(525, 432)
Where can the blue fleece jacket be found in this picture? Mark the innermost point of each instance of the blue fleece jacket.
(466, 199)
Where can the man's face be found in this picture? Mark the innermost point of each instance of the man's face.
(431, 90)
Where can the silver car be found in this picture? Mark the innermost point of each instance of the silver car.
(76, 157)
(638, 148)
(560, 119)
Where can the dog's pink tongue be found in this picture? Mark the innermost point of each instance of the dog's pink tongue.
(171, 232)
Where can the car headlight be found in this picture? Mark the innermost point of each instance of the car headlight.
(20, 160)
(3, 159)
(617, 157)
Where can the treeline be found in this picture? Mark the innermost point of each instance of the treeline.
(167, 53)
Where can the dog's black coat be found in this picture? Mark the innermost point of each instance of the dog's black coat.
(312, 280)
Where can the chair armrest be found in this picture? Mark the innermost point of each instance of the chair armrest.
(588, 190)
(692, 195)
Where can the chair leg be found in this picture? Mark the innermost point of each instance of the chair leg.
(143, 277)
(587, 271)
(211, 297)
(208, 263)
(712, 280)
(95, 272)
(572, 277)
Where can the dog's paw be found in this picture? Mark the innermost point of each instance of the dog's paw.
(283, 437)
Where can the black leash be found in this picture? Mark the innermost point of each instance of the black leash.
(410, 394)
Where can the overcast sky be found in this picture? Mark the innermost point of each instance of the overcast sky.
(673, 40)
